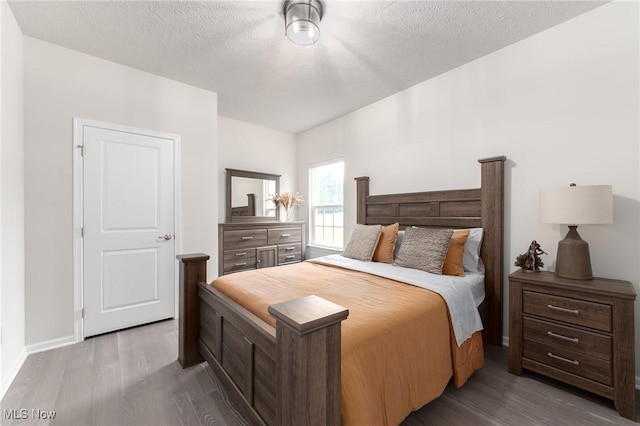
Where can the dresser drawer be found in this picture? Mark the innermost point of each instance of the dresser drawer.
(577, 363)
(285, 235)
(239, 260)
(245, 238)
(594, 344)
(289, 253)
(573, 311)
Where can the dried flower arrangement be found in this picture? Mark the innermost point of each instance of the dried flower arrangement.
(288, 200)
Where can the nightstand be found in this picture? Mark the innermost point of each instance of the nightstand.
(577, 331)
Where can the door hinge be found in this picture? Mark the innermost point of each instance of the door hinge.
(82, 313)
(81, 150)
(82, 232)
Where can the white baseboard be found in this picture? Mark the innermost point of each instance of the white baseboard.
(32, 349)
(50, 344)
(13, 372)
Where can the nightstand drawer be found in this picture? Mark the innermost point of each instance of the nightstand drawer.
(593, 344)
(245, 238)
(573, 311)
(285, 235)
(239, 260)
(574, 362)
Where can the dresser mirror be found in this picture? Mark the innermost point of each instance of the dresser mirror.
(247, 196)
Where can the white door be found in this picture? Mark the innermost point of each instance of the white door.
(128, 209)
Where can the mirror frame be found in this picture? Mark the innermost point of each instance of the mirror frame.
(253, 175)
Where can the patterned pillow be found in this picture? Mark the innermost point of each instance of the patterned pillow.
(363, 242)
(424, 249)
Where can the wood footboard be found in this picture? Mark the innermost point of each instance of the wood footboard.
(289, 375)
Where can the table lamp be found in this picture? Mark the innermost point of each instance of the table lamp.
(573, 206)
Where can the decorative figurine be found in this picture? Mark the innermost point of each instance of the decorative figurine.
(531, 259)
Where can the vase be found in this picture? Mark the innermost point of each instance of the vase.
(287, 215)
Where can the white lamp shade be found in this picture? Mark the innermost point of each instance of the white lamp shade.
(577, 205)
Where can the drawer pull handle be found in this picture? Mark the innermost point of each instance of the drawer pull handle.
(285, 235)
(250, 237)
(241, 264)
(241, 254)
(289, 248)
(561, 358)
(561, 337)
(564, 310)
(290, 257)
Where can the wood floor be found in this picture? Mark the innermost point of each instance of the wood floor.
(131, 377)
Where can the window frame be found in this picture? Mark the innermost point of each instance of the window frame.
(313, 207)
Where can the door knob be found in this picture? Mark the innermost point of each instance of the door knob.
(166, 237)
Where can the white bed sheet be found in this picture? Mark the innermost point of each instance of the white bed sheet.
(462, 294)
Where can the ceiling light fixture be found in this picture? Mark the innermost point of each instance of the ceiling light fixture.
(301, 21)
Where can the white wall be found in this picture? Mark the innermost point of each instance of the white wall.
(61, 84)
(12, 279)
(561, 105)
(247, 146)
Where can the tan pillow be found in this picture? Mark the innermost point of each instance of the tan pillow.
(453, 262)
(386, 244)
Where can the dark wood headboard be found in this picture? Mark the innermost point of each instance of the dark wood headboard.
(248, 210)
(461, 208)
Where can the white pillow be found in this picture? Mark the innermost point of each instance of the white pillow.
(471, 257)
(399, 240)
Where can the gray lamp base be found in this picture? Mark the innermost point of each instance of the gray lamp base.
(573, 260)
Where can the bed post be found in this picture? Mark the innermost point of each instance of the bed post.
(251, 204)
(308, 361)
(362, 192)
(193, 269)
(492, 253)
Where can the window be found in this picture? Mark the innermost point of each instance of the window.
(327, 205)
(268, 191)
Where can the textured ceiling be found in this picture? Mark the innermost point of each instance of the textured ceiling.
(367, 50)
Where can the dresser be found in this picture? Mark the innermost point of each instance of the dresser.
(580, 332)
(243, 246)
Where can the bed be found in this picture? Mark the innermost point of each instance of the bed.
(288, 362)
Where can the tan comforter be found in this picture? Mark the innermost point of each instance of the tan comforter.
(398, 348)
